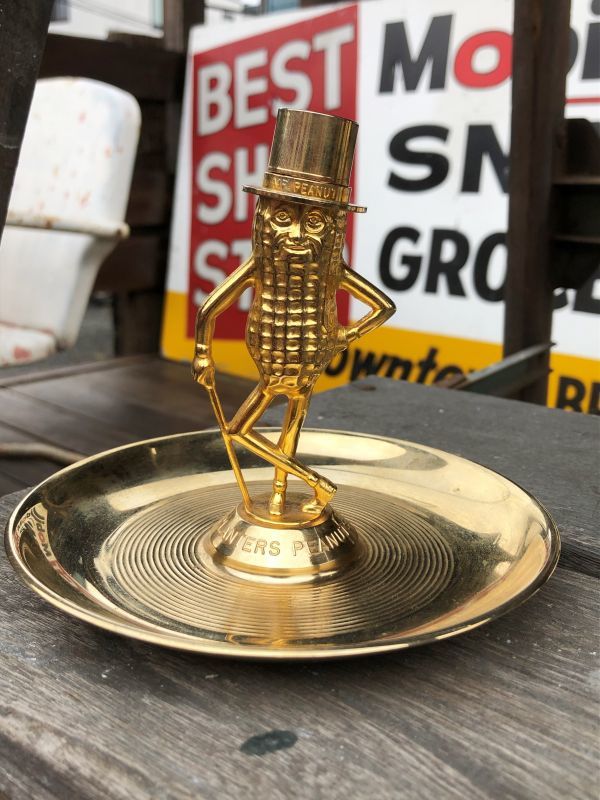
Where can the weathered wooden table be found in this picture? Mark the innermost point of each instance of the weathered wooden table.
(510, 710)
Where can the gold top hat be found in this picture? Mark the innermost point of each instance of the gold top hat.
(311, 158)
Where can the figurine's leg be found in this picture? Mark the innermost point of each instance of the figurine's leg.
(251, 410)
(323, 488)
(288, 442)
(240, 431)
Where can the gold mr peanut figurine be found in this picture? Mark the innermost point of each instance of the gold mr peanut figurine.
(295, 269)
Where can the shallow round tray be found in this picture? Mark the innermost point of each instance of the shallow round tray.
(446, 545)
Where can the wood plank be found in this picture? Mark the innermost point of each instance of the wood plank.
(71, 369)
(509, 710)
(21, 472)
(10, 484)
(55, 425)
(152, 398)
(165, 385)
(133, 415)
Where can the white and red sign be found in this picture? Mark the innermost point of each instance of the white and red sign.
(430, 88)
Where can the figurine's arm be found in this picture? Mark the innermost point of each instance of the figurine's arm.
(217, 301)
(363, 290)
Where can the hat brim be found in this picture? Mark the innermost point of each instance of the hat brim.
(276, 194)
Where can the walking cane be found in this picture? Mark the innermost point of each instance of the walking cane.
(235, 464)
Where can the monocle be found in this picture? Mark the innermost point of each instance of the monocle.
(292, 543)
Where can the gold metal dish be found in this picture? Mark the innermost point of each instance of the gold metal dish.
(418, 545)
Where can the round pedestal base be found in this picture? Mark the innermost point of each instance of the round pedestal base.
(251, 548)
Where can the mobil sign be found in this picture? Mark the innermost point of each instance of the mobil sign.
(430, 87)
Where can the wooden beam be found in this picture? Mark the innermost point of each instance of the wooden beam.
(23, 29)
(144, 70)
(540, 61)
(179, 17)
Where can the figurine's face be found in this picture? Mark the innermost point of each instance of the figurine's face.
(298, 230)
